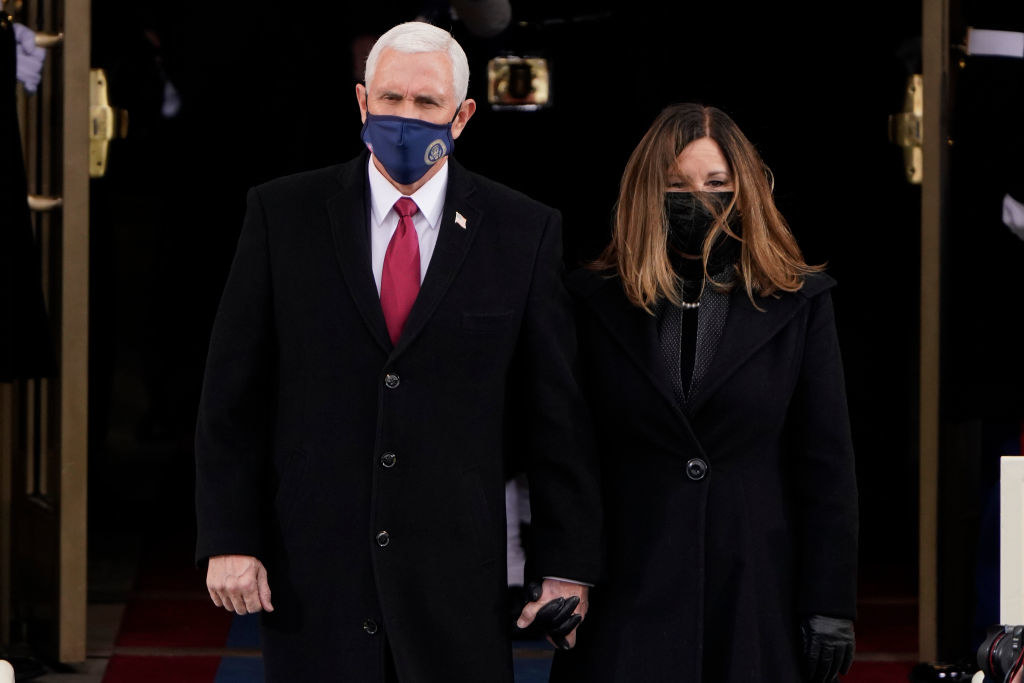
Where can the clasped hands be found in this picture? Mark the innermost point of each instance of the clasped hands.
(556, 608)
(238, 583)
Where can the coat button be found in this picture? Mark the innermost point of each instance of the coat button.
(383, 538)
(696, 469)
(388, 460)
(391, 380)
(370, 626)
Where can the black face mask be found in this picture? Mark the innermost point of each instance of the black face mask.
(689, 222)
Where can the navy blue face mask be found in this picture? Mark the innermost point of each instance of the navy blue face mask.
(407, 148)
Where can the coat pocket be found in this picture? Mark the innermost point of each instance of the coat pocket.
(478, 519)
(487, 322)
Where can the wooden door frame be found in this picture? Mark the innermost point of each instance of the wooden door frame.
(935, 51)
(74, 338)
(6, 455)
(67, 162)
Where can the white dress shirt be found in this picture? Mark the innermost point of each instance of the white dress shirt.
(384, 219)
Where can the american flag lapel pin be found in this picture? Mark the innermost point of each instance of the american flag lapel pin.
(460, 220)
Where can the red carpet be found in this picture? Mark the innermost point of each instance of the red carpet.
(161, 669)
(879, 672)
(174, 624)
(170, 632)
(887, 628)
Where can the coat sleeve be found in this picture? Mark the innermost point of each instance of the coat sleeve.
(823, 473)
(554, 428)
(234, 433)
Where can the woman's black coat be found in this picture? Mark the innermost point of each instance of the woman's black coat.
(730, 521)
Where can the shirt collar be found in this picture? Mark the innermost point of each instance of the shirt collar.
(429, 198)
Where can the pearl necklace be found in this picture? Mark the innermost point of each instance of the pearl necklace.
(688, 305)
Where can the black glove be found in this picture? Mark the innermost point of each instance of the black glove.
(555, 619)
(828, 647)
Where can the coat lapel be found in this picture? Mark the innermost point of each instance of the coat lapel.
(637, 333)
(460, 222)
(349, 214)
(746, 330)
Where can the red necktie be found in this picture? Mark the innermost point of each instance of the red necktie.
(400, 280)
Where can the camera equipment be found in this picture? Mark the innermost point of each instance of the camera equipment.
(1001, 655)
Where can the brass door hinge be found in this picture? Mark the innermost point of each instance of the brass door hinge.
(105, 123)
(905, 129)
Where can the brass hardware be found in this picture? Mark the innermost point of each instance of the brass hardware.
(48, 39)
(12, 6)
(42, 204)
(905, 129)
(105, 123)
(518, 83)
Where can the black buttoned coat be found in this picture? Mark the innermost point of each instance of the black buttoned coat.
(728, 520)
(369, 477)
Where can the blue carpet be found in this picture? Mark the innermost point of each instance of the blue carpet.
(535, 664)
(245, 632)
(240, 670)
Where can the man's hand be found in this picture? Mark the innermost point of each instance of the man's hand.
(559, 606)
(238, 583)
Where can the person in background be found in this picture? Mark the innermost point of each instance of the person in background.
(709, 357)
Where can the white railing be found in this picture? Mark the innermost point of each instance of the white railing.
(1011, 540)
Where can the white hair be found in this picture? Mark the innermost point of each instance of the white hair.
(418, 36)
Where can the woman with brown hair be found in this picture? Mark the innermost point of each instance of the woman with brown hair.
(708, 351)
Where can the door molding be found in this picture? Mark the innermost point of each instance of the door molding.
(935, 50)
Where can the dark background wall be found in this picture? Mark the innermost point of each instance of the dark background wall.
(267, 89)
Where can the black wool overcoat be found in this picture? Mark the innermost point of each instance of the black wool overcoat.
(369, 478)
(728, 521)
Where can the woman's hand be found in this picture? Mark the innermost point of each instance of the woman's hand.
(828, 647)
(557, 608)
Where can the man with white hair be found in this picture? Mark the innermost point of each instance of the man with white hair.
(388, 325)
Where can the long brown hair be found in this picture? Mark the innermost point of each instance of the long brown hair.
(770, 259)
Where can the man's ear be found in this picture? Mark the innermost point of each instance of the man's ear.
(361, 99)
(462, 118)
